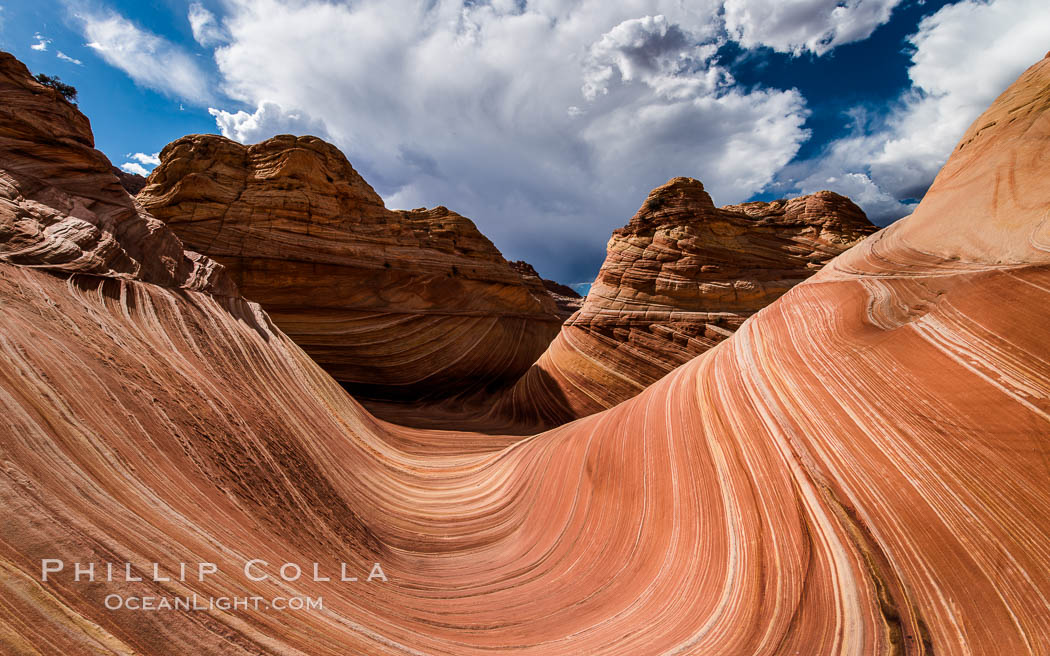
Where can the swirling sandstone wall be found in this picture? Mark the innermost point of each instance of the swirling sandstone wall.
(859, 470)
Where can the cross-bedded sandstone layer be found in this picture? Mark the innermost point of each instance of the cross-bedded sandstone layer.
(859, 470)
(63, 208)
(678, 279)
(403, 305)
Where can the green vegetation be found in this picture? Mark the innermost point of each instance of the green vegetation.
(68, 91)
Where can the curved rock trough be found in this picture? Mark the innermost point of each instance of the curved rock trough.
(860, 469)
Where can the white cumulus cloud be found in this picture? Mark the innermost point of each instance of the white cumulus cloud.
(143, 158)
(797, 26)
(137, 163)
(266, 121)
(653, 51)
(545, 122)
(148, 59)
(954, 81)
(136, 168)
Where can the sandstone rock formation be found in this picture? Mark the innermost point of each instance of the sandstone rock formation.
(681, 277)
(133, 183)
(565, 297)
(859, 470)
(61, 207)
(394, 304)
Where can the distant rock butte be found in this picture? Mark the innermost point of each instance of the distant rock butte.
(61, 206)
(132, 182)
(566, 298)
(402, 305)
(679, 278)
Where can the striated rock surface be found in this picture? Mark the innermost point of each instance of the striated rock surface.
(679, 278)
(395, 304)
(565, 297)
(859, 470)
(63, 209)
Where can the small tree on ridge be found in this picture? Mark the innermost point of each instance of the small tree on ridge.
(68, 91)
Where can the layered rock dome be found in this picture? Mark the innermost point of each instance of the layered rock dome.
(860, 469)
(403, 305)
(678, 279)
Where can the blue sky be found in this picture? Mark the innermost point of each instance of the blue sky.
(547, 121)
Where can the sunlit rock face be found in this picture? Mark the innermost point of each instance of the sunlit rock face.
(860, 469)
(404, 305)
(681, 277)
(63, 209)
